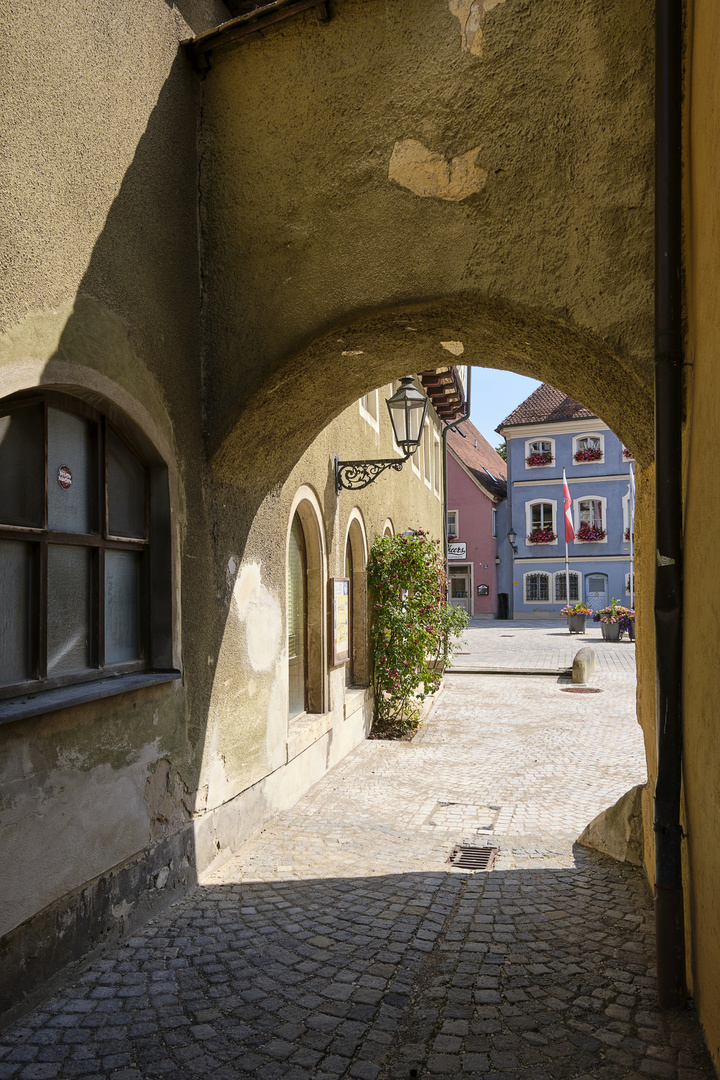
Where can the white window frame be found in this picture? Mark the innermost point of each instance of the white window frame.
(457, 522)
(603, 511)
(588, 435)
(626, 515)
(561, 575)
(367, 413)
(415, 462)
(528, 451)
(494, 521)
(545, 574)
(528, 519)
(437, 459)
(427, 454)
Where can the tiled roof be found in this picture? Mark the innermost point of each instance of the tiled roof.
(478, 456)
(546, 405)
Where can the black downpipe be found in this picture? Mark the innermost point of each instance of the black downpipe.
(448, 427)
(669, 917)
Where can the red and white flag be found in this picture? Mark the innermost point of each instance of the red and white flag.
(569, 531)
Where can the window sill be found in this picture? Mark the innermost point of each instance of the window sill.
(63, 697)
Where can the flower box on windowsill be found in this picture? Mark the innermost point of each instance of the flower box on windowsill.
(627, 534)
(542, 536)
(537, 460)
(627, 454)
(590, 534)
(592, 453)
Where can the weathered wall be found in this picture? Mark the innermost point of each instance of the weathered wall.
(702, 519)
(250, 664)
(100, 296)
(319, 205)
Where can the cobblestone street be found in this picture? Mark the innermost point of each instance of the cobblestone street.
(338, 943)
(540, 645)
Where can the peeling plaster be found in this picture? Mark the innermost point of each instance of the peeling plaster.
(455, 347)
(260, 610)
(430, 174)
(470, 14)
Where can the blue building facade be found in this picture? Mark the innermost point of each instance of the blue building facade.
(547, 433)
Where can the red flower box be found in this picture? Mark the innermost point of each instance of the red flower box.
(541, 536)
(540, 458)
(590, 534)
(593, 453)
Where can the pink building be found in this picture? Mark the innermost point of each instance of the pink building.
(477, 483)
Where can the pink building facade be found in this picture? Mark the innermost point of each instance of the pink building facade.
(477, 486)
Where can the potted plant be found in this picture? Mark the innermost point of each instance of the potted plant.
(576, 616)
(609, 619)
(627, 623)
(590, 453)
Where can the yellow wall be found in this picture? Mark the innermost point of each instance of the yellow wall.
(702, 518)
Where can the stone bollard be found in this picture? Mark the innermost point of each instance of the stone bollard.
(583, 665)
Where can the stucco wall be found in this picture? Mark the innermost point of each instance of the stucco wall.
(701, 772)
(316, 220)
(475, 524)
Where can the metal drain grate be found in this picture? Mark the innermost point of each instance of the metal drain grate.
(581, 690)
(473, 858)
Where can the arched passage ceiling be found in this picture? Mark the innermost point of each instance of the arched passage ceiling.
(495, 154)
(300, 397)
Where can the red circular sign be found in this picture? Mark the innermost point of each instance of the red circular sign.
(64, 477)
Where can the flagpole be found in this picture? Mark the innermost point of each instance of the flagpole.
(569, 534)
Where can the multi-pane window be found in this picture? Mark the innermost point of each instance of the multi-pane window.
(537, 587)
(561, 587)
(588, 448)
(74, 547)
(541, 516)
(452, 523)
(369, 406)
(590, 513)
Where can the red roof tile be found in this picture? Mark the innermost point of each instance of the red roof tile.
(478, 456)
(546, 405)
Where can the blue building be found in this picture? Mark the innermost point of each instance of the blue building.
(547, 433)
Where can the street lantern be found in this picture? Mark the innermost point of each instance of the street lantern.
(512, 537)
(408, 409)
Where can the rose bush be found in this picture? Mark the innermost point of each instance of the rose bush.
(412, 627)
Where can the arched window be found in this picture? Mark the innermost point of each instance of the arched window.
(297, 620)
(561, 587)
(356, 670)
(540, 519)
(306, 607)
(84, 534)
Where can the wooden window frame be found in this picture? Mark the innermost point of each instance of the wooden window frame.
(100, 542)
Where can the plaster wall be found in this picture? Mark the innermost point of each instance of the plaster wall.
(701, 772)
(475, 523)
(333, 207)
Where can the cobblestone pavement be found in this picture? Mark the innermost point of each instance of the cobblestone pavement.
(338, 943)
(538, 646)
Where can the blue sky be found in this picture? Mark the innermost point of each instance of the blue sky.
(494, 395)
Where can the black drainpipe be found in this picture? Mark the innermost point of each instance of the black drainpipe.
(669, 919)
(448, 427)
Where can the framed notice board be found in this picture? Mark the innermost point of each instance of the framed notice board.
(339, 620)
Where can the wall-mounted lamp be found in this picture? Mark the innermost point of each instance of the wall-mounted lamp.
(512, 537)
(408, 409)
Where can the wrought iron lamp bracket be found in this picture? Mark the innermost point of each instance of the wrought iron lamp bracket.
(355, 475)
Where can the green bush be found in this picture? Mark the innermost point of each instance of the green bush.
(412, 626)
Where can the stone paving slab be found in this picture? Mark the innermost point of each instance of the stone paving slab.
(528, 646)
(339, 943)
